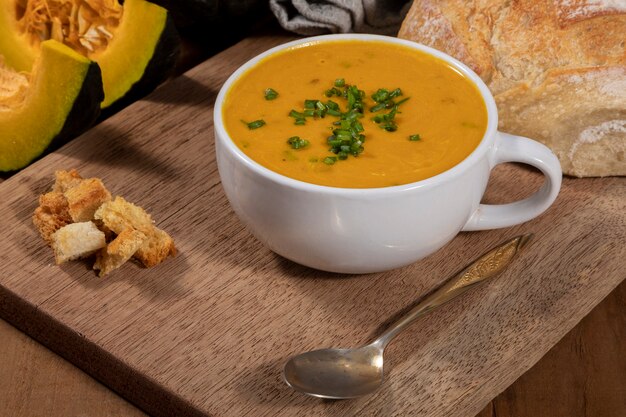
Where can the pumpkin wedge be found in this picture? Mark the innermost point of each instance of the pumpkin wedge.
(58, 99)
(134, 43)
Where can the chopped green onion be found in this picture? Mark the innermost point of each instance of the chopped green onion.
(299, 117)
(352, 115)
(402, 101)
(356, 147)
(255, 124)
(390, 127)
(392, 114)
(332, 105)
(355, 98)
(378, 107)
(270, 94)
(297, 143)
(395, 93)
(384, 100)
(296, 114)
(347, 138)
(381, 95)
(334, 143)
(333, 92)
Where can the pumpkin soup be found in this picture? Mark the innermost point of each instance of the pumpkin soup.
(355, 114)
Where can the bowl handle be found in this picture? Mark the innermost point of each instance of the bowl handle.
(511, 148)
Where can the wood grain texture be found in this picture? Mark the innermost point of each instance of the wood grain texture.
(34, 382)
(207, 333)
(581, 376)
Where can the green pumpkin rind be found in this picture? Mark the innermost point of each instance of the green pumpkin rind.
(63, 100)
(84, 112)
(159, 68)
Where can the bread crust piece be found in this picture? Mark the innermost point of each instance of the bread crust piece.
(119, 251)
(85, 197)
(76, 240)
(530, 53)
(156, 248)
(51, 215)
(64, 180)
(119, 215)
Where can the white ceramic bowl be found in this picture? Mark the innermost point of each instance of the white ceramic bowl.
(369, 230)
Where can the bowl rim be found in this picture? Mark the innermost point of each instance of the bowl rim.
(450, 174)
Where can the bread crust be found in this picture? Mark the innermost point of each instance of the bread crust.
(51, 215)
(85, 197)
(119, 215)
(120, 250)
(64, 180)
(556, 69)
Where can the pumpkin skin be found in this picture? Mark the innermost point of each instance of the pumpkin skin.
(159, 67)
(141, 53)
(62, 100)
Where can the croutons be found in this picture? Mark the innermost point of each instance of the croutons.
(64, 180)
(85, 197)
(119, 215)
(51, 215)
(156, 248)
(120, 250)
(73, 199)
(76, 240)
(78, 218)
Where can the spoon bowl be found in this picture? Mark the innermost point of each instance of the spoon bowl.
(336, 373)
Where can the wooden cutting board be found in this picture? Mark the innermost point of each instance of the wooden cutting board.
(207, 333)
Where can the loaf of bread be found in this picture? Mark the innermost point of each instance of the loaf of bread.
(557, 69)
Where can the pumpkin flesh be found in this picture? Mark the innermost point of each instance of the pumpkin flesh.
(37, 108)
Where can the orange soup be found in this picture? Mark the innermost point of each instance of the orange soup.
(336, 113)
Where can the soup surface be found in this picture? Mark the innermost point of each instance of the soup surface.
(439, 125)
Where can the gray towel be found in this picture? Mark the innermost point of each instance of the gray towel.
(314, 17)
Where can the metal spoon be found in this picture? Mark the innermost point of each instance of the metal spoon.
(351, 373)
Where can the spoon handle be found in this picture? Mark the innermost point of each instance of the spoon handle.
(487, 266)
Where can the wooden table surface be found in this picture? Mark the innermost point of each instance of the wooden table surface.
(35, 382)
(584, 375)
